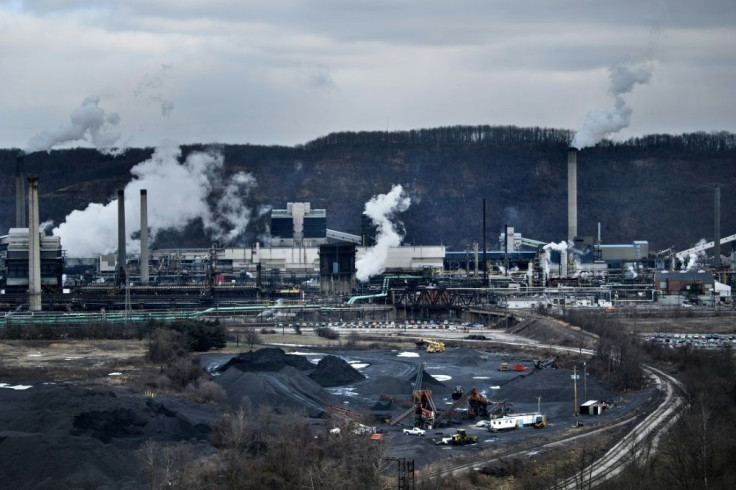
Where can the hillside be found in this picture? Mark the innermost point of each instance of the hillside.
(658, 188)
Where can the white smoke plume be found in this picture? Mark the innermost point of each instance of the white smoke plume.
(178, 193)
(599, 124)
(631, 272)
(696, 259)
(151, 87)
(558, 247)
(88, 122)
(380, 209)
(45, 226)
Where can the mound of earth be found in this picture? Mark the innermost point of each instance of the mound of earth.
(56, 436)
(334, 371)
(269, 359)
(553, 331)
(428, 381)
(469, 357)
(387, 385)
(286, 391)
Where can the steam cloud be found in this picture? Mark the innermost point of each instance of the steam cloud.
(178, 193)
(380, 209)
(559, 247)
(151, 87)
(598, 125)
(89, 122)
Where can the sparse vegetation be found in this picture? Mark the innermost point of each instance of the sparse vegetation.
(327, 332)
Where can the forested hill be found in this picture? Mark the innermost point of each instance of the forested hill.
(657, 188)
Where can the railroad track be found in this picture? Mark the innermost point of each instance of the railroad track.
(641, 440)
(643, 437)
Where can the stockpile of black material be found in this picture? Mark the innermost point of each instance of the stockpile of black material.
(469, 357)
(334, 371)
(54, 436)
(285, 391)
(390, 385)
(270, 359)
(285, 382)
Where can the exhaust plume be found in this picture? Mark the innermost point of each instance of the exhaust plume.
(599, 124)
(558, 247)
(88, 122)
(178, 193)
(380, 209)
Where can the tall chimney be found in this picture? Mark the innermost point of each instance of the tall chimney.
(144, 238)
(122, 255)
(20, 190)
(717, 227)
(34, 248)
(572, 193)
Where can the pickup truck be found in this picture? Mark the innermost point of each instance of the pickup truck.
(414, 431)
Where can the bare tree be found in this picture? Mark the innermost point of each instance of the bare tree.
(251, 337)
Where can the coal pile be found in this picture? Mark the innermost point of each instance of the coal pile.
(334, 371)
(270, 359)
(285, 391)
(469, 357)
(56, 436)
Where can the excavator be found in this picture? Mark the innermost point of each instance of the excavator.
(423, 406)
(432, 346)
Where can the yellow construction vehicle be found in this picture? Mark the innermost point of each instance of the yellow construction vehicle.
(433, 346)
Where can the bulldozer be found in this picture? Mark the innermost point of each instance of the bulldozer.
(459, 439)
(432, 346)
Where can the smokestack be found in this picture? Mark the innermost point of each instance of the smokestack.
(485, 260)
(144, 237)
(20, 190)
(717, 227)
(122, 255)
(34, 248)
(572, 194)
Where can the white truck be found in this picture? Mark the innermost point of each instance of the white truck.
(414, 431)
(519, 420)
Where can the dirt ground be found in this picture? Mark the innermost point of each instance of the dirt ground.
(72, 413)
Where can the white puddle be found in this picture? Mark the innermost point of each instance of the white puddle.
(35, 355)
(495, 387)
(342, 391)
(359, 364)
(15, 387)
(408, 354)
(481, 377)
(442, 377)
(115, 374)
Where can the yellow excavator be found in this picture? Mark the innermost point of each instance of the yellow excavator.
(433, 346)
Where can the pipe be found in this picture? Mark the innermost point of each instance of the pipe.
(34, 248)
(485, 260)
(20, 191)
(717, 227)
(144, 256)
(572, 194)
(122, 255)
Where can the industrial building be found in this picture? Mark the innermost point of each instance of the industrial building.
(298, 225)
(14, 259)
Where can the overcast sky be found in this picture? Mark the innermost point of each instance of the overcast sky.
(286, 72)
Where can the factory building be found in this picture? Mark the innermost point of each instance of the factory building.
(298, 225)
(14, 259)
(337, 268)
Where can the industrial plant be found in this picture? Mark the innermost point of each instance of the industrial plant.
(303, 261)
(444, 313)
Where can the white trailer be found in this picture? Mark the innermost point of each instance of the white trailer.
(518, 421)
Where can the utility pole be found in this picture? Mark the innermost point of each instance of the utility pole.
(585, 381)
(575, 384)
